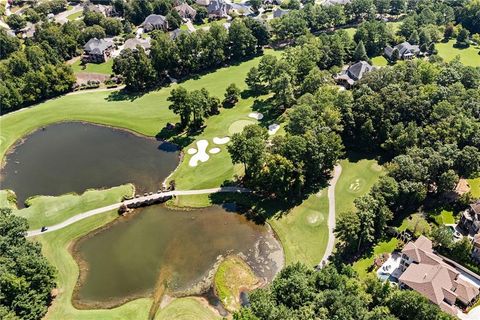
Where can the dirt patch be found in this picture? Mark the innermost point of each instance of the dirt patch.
(84, 77)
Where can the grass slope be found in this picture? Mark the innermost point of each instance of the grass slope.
(55, 248)
(233, 275)
(48, 210)
(304, 231)
(186, 309)
(7, 199)
(469, 56)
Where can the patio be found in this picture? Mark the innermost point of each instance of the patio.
(390, 270)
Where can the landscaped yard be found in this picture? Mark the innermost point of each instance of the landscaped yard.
(103, 68)
(362, 266)
(474, 187)
(379, 61)
(468, 56)
(444, 217)
(75, 15)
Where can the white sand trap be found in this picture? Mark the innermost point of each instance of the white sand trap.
(256, 115)
(201, 155)
(192, 151)
(214, 150)
(273, 128)
(223, 140)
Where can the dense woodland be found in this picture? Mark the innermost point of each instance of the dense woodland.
(334, 294)
(26, 277)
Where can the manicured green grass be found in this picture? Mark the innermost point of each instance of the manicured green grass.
(474, 187)
(233, 275)
(444, 217)
(7, 199)
(362, 266)
(56, 249)
(379, 61)
(146, 114)
(186, 309)
(356, 180)
(47, 210)
(103, 68)
(303, 231)
(75, 15)
(468, 56)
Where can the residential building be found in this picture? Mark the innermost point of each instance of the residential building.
(470, 219)
(353, 73)
(427, 273)
(279, 12)
(99, 8)
(185, 11)
(406, 51)
(476, 247)
(97, 50)
(155, 22)
(217, 9)
(335, 2)
(133, 43)
(240, 9)
(204, 3)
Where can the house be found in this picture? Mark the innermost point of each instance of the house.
(335, 2)
(476, 247)
(427, 273)
(99, 8)
(185, 11)
(97, 50)
(217, 9)
(353, 73)
(133, 43)
(154, 22)
(28, 31)
(204, 3)
(470, 219)
(279, 13)
(406, 51)
(240, 9)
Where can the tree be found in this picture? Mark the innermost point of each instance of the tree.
(8, 44)
(442, 237)
(449, 31)
(424, 38)
(242, 42)
(248, 148)
(92, 32)
(462, 38)
(360, 54)
(112, 26)
(16, 21)
(414, 37)
(232, 94)
(395, 55)
(256, 4)
(26, 277)
(136, 68)
(92, 18)
(254, 81)
(180, 104)
(282, 86)
(347, 229)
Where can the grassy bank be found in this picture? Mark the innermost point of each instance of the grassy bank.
(103, 68)
(186, 309)
(233, 275)
(47, 210)
(55, 247)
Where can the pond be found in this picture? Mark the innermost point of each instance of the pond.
(125, 260)
(73, 157)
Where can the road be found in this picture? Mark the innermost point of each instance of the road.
(115, 206)
(62, 17)
(337, 171)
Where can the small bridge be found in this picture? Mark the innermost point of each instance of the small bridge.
(135, 202)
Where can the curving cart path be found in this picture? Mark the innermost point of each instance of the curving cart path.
(337, 171)
(115, 206)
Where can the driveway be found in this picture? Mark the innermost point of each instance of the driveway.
(62, 17)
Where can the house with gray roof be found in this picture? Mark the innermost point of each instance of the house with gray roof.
(217, 9)
(155, 22)
(240, 9)
(97, 50)
(133, 43)
(185, 11)
(279, 12)
(335, 2)
(406, 51)
(353, 73)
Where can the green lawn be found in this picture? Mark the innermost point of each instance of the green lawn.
(103, 68)
(75, 15)
(56, 249)
(362, 266)
(303, 232)
(356, 180)
(186, 309)
(474, 187)
(379, 61)
(468, 56)
(47, 210)
(416, 224)
(444, 217)
(7, 199)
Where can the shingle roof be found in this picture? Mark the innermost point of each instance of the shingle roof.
(97, 46)
(155, 21)
(279, 13)
(134, 42)
(185, 11)
(357, 70)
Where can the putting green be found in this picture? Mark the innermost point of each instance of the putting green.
(315, 219)
(238, 126)
(357, 185)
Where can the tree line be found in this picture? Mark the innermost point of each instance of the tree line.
(334, 293)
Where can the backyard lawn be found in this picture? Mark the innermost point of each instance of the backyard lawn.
(362, 266)
(103, 68)
(474, 187)
(75, 15)
(379, 61)
(468, 56)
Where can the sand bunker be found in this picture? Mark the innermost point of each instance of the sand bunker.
(223, 140)
(256, 115)
(273, 128)
(192, 151)
(201, 155)
(214, 150)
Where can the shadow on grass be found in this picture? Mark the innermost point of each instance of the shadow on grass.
(124, 95)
